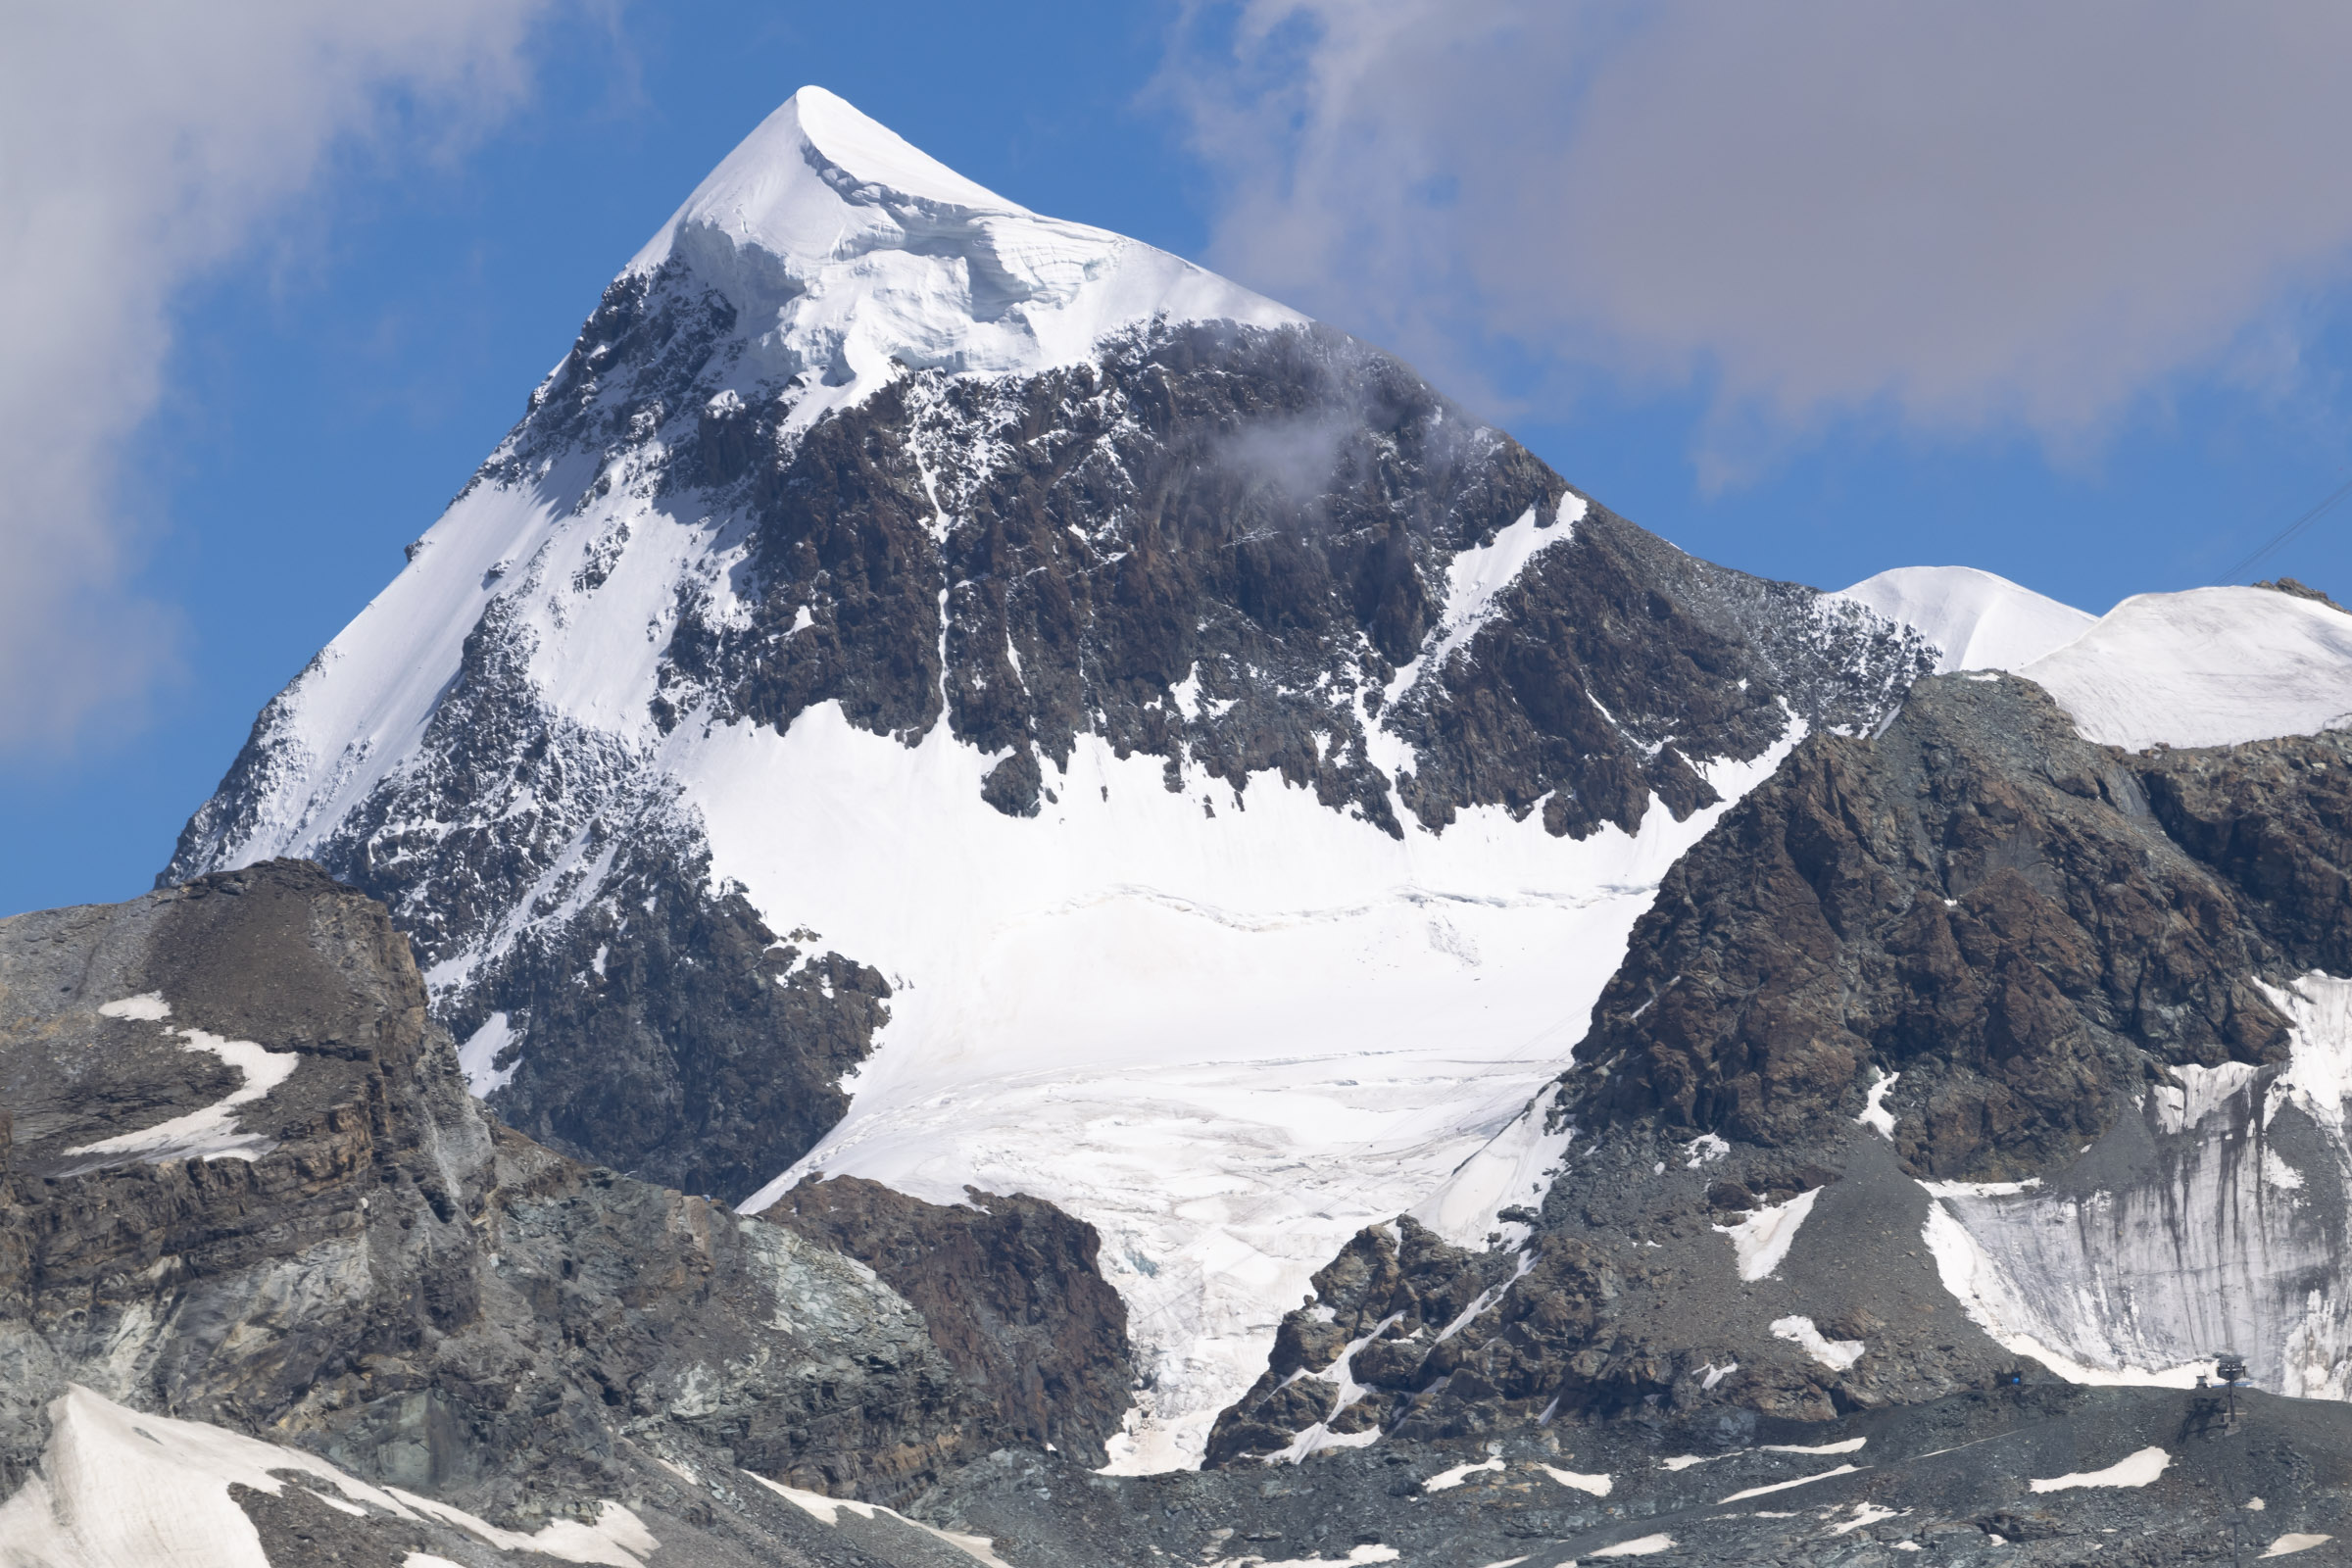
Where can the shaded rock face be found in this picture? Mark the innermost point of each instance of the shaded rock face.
(1973, 948)
(665, 1030)
(2028, 928)
(1009, 1291)
(406, 1289)
(1271, 514)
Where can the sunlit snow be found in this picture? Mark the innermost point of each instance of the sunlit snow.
(2212, 666)
(1761, 1240)
(1228, 1043)
(212, 1132)
(2133, 1470)
(1978, 620)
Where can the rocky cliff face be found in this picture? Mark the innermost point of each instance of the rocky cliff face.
(1968, 1046)
(245, 1186)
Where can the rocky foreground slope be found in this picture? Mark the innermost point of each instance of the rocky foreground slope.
(274, 1292)
(245, 1186)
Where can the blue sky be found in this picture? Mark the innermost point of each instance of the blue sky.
(326, 372)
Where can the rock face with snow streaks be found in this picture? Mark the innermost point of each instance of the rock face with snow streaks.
(381, 1276)
(1967, 1045)
(1979, 900)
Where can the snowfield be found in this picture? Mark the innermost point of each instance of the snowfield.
(1229, 1041)
(2209, 666)
(1979, 620)
(2212, 666)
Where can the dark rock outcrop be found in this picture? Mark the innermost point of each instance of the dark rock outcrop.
(2028, 927)
(666, 1031)
(379, 1273)
(1271, 513)
(2018, 937)
(1009, 1292)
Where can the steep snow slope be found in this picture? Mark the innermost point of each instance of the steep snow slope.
(854, 256)
(1210, 775)
(2212, 666)
(1975, 620)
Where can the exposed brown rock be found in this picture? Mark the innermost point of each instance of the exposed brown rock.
(1010, 1294)
(1981, 901)
(506, 1324)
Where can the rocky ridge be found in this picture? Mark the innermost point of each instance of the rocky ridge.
(379, 1275)
(1944, 1035)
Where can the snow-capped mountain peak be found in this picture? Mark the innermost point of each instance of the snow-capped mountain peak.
(1977, 620)
(940, 694)
(851, 253)
(2207, 666)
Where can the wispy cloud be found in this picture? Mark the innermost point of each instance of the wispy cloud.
(142, 143)
(1999, 215)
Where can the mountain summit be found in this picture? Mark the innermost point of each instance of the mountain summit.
(853, 257)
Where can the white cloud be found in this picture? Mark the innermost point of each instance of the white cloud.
(142, 143)
(1966, 217)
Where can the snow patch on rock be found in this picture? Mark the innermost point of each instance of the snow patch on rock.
(478, 1056)
(1597, 1485)
(211, 1133)
(1783, 1486)
(2135, 1470)
(1761, 1241)
(1447, 1480)
(1836, 1354)
(1875, 1114)
(1639, 1547)
(828, 1510)
(116, 1485)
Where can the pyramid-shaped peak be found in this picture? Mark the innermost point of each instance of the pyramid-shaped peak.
(848, 251)
(872, 154)
(819, 177)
